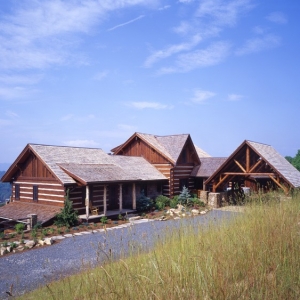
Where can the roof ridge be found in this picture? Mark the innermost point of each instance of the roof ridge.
(63, 146)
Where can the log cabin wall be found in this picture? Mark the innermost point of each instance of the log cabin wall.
(181, 177)
(35, 183)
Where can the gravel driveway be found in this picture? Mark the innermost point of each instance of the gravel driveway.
(28, 270)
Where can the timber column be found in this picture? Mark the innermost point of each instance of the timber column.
(105, 200)
(133, 196)
(120, 197)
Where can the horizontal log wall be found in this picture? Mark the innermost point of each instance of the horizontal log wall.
(181, 172)
(50, 193)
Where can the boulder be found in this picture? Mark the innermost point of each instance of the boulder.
(203, 212)
(30, 244)
(41, 242)
(195, 212)
(48, 241)
(3, 250)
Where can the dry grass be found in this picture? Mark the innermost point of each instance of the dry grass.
(255, 256)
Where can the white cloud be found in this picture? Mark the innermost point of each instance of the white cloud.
(164, 7)
(39, 34)
(15, 92)
(126, 127)
(223, 12)
(81, 143)
(259, 44)
(126, 23)
(200, 96)
(152, 105)
(212, 55)
(11, 114)
(277, 17)
(20, 79)
(100, 76)
(235, 97)
(171, 50)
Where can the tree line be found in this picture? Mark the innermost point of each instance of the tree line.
(295, 161)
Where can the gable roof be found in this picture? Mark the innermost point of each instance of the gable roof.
(277, 162)
(123, 168)
(85, 164)
(271, 157)
(201, 153)
(169, 146)
(208, 166)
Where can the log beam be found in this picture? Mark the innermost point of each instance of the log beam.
(240, 166)
(279, 184)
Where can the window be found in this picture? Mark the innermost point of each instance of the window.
(17, 191)
(35, 193)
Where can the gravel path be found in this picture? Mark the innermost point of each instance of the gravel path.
(28, 270)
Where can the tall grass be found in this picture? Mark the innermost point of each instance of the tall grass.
(254, 256)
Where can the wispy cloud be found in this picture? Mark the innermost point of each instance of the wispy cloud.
(164, 7)
(126, 127)
(126, 23)
(201, 96)
(151, 105)
(81, 143)
(69, 117)
(259, 44)
(212, 55)
(21, 79)
(11, 114)
(277, 17)
(171, 50)
(40, 34)
(15, 92)
(235, 97)
(100, 76)
(222, 12)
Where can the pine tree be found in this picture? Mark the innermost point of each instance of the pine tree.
(67, 216)
(184, 196)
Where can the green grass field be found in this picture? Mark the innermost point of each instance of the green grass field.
(254, 256)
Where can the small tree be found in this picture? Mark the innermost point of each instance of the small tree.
(143, 203)
(67, 216)
(184, 196)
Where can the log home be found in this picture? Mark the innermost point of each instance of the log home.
(42, 174)
(175, 156)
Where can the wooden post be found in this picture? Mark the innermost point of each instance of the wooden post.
(87, 202)
(105, 200)
(133, 196)
(247, 159)
(120, 197)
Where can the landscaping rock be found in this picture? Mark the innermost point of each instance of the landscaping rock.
(3, 250)
(49, 241)
(134, 218)
(195, 212)
(203, 212)
(30, 244)
(41, 242)
(20, 248)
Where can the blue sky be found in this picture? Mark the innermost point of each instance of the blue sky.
(91, 73)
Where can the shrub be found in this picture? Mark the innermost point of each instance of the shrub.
(174, 201)
(161, 202)
(196, 202)
(143, 203)
(68, 216)
(19, 228)
(2, 235)
(103, 220)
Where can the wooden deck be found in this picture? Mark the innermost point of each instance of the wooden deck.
(21, 210)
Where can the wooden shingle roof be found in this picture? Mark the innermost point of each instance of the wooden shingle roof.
(72, 164)
(53, 156)
(123, 168)
(170, 146)
(208, 166)
(277, 162)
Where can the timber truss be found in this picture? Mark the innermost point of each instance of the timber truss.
(246, 165)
